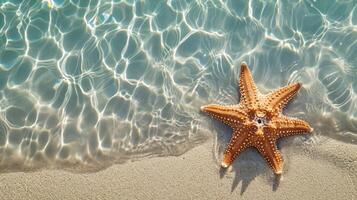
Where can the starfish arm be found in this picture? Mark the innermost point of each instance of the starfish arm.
(284, 126)
(248, 90)
(279, 98)
(238, 143)
(271, 154)
(230, 115)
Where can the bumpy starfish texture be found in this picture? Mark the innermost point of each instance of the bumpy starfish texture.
(257, 121)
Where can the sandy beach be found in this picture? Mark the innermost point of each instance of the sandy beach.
(326, 171)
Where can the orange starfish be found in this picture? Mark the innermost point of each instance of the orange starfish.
(257, 121)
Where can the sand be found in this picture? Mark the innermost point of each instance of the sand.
(324, 171)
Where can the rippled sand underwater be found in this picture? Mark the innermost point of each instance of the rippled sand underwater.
(95, 82)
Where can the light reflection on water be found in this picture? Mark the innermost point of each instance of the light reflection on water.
(97, 82)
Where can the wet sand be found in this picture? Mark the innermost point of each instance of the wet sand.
(326, 171)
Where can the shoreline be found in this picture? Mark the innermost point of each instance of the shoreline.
(196, 175)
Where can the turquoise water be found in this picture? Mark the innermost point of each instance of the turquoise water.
(95, 82)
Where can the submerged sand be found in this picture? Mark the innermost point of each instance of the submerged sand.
(326, 171)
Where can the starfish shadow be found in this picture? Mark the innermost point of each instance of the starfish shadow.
(276, 182)
(246, 168)
(249, 166)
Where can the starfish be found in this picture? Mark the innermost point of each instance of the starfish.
(257, 121)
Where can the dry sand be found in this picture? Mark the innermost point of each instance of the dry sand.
(326, 171)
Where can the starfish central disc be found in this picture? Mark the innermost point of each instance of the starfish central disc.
(260, 121)
(257, 121)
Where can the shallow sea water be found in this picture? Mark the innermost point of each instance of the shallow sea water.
(95, 82)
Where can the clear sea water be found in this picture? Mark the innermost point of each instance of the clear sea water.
(88, 83)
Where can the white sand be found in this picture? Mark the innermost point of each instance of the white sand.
(326, 171)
